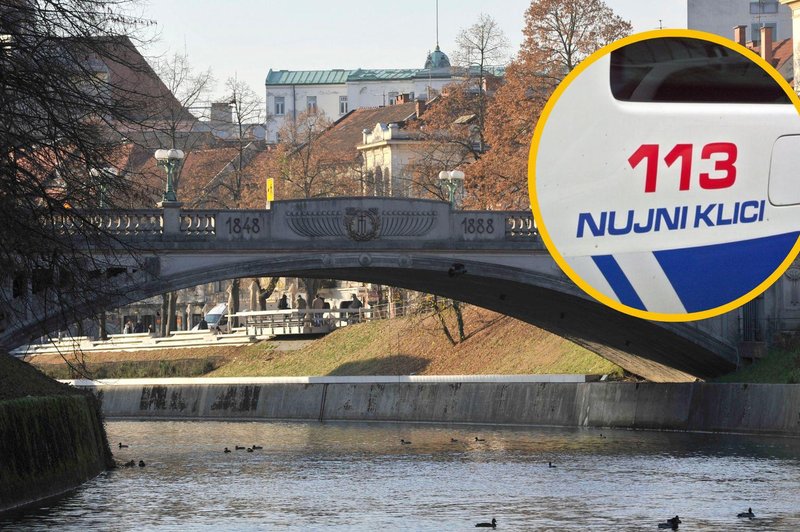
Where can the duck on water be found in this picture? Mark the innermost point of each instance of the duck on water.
(671, 523)
(493, 524)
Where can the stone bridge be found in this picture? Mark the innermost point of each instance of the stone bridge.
(493, 259)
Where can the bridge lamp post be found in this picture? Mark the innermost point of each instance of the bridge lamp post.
(450, 180)
(96, 175)
(171, 160)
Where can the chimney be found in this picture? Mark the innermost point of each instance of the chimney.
(766, 44)
(402, 98)
(419, 108)
(221, 112)
(740, 34)
(794, 5)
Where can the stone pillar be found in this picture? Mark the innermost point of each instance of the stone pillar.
(171, 213)
(794, 5)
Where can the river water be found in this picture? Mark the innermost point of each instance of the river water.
(358, 476)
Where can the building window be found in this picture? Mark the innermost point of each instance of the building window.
(342, 105)
(755, 30)
(311, 104)
(392, 98)
(279, 106)
(765, 7)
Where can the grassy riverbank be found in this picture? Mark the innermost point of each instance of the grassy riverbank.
(780, 366)
(494, 344)
(18, 379)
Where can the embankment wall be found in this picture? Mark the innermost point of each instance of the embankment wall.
(754, 408)
(48, 445)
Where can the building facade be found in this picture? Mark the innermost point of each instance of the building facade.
(721, 16)
(336, 92)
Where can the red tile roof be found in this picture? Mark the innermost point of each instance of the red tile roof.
(781, 52)
(345, 134)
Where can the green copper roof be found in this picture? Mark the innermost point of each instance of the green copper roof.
(381, 74)
(337, 76)
(307, 77)
(437, 59)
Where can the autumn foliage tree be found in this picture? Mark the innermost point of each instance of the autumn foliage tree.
(559, 34)
(307, 167)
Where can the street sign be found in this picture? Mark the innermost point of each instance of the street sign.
(270, 191)
(663, 175)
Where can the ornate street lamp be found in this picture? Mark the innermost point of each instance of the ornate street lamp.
(451, 180)
(171, 160)
(96, 176)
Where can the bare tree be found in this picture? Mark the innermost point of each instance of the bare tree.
(247, 108)
(189, 88)
(63, 115)
(481, 45)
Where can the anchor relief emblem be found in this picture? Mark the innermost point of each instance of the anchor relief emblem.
(362, 224)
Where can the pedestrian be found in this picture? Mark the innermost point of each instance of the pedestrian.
(355, 306)
(317, 306)
(139, 327)
(128, 328)
(283, 303)
(203, 325)
(301, 308)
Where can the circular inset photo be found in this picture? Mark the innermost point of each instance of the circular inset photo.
(664, 175)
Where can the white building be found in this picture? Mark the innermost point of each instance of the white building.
(721, 16)
(336, 92)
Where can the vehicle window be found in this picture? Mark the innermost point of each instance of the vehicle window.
(685, 70)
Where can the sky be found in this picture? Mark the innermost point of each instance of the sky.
(245, 38)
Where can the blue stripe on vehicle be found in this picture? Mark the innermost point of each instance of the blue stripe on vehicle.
(706, 277)
(619, 283)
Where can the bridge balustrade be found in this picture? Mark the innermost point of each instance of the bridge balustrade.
(355, 219)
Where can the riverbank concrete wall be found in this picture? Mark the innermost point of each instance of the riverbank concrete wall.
(754, 408)
(49, 445)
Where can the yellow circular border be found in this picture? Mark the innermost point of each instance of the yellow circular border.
(537, 216)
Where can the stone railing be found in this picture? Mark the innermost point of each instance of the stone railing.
(138, 222)
(198, 222)
(520, 225)
(354, 219)
(118, 223)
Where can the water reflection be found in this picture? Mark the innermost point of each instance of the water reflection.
(359, 476)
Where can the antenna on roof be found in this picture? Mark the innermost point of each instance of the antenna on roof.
(437, 24)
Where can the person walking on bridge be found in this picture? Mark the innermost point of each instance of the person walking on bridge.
(283, 303)
(317, 305)
(301, 308)
(355, 308)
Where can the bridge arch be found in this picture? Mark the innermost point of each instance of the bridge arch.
(503, 272)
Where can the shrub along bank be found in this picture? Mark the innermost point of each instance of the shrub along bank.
(51, 436)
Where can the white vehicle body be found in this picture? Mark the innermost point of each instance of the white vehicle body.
(700, 237)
